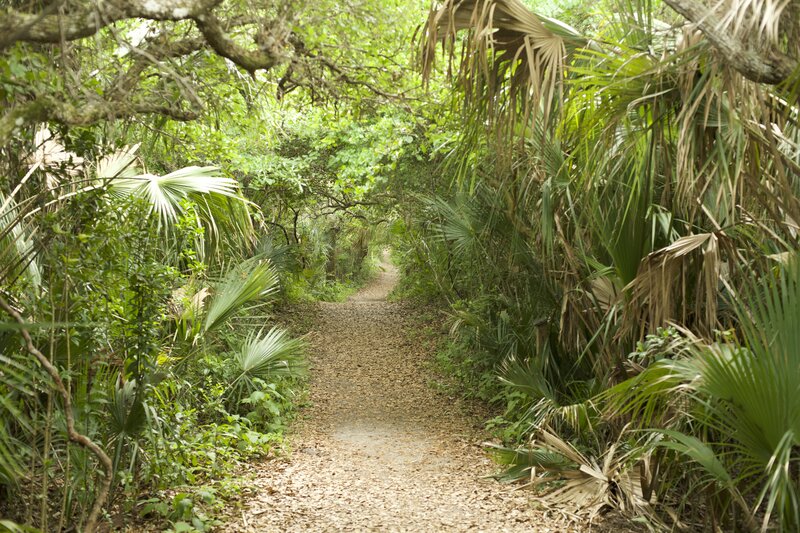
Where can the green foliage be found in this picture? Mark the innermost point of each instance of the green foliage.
(592, 227)
(606, 201)
(263, 358)
(181, 511)
(250, 282)
(147, 253)
(725, 382)
(12, 527)
(108, 300)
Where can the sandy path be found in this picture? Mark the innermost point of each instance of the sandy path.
(379, 449)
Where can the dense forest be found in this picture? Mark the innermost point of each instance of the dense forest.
(600, 200)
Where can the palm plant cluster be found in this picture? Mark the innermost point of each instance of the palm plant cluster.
(134, 352)
(619, 246)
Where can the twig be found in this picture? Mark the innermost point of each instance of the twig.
(72, 433)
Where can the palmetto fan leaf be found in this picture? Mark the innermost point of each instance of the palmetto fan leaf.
(272, 355)
(749, 394)
(165, 193)
(266, 357)
(120, 164)
(252, 281)
(459, 222)
(17, 381)
(759, 388)
(214, 199)
(126, 409)
(17, 251)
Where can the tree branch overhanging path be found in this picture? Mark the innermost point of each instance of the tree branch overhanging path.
(54, 28)
(249, 41)
(57, 25)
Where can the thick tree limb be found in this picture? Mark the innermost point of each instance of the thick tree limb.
(72, 433)
(47, 109)
(250, 60)
(54, 28)
(773, 67)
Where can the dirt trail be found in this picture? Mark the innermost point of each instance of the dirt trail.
(379, 449)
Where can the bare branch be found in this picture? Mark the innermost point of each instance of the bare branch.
(72, 433)
(250, 60)
(338, 70)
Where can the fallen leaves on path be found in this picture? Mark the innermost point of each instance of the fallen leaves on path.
(378, 449)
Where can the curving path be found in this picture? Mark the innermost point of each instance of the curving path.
(379, 449)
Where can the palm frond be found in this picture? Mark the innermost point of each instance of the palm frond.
(756, 388)
(713, 471)
(165, 193)
(458, 222)
(17, 384)
(523, 461)
(250, 282)
(126, 409)
(659, 289)
(17, 251)
(587, 485)
(512, 64)
(266, 358)
(120, 164)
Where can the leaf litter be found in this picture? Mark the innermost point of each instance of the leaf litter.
(378, 449)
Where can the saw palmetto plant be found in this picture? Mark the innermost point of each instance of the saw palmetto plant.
(648, 166)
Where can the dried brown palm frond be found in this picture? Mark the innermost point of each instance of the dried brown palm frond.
(615, 479)
(758, 21)
(512, 62)
(671, 279)
(51, 156)
(605, 292)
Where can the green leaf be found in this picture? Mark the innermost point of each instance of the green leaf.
(252, 281)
